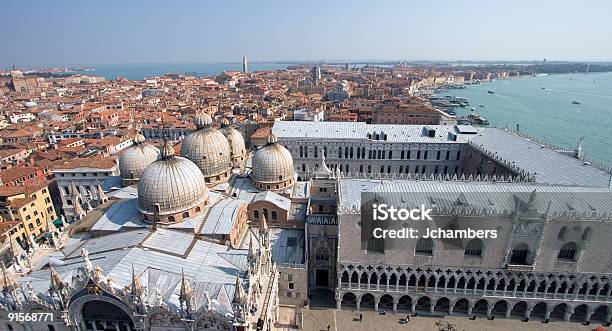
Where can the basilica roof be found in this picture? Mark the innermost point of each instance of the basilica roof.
(173, 183)
(136, 158)
(272, 163)
(207, 147)
(157, 259)
(235, 139)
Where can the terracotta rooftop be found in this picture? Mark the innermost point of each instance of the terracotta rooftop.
(92, 162)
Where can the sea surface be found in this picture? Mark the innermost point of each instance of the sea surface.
(139, 71)
(542, 106)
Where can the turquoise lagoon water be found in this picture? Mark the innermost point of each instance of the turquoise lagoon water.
(542, 106)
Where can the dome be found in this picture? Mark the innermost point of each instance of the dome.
(171, 189)
(272, 166)
(208, 149)
(236, 142)
(135, 159)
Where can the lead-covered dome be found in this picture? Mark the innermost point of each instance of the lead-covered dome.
(236, 142)
(208, 149)
(171, 189)
(135, 159)
(272, 166)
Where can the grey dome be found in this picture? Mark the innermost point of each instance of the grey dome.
(174, 183)
(272, 163)
(207, 148)
(136, 158)
(202, 120)
(235, 140)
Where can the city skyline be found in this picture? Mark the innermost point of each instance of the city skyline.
(68, 33)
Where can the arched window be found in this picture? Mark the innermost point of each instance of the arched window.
(424, 247)
(265, 213)
(562, 233)
(186, 214)
(171, 219)
(519, 254)
(256, 214)
(586, 235)
(474, 248)
(568, 252)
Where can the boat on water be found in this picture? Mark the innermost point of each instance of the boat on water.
(490, 91)
(543, 88)
(482, 106)
(477, 119)
(575, 102)
(472, 109)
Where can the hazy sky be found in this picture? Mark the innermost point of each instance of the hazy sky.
(103, 32)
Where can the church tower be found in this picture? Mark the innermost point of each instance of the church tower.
(245, 65)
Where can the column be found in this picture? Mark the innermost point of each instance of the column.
(576, 290)
(586, 294)
(508, 310)
(535, 290)
(528, 312)
(588, 315)
(549, 309)
(359, 281)
(568, 313)
(451, 306)
(469, 312)
(489, 309)
(394, 306)
(376, 304)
